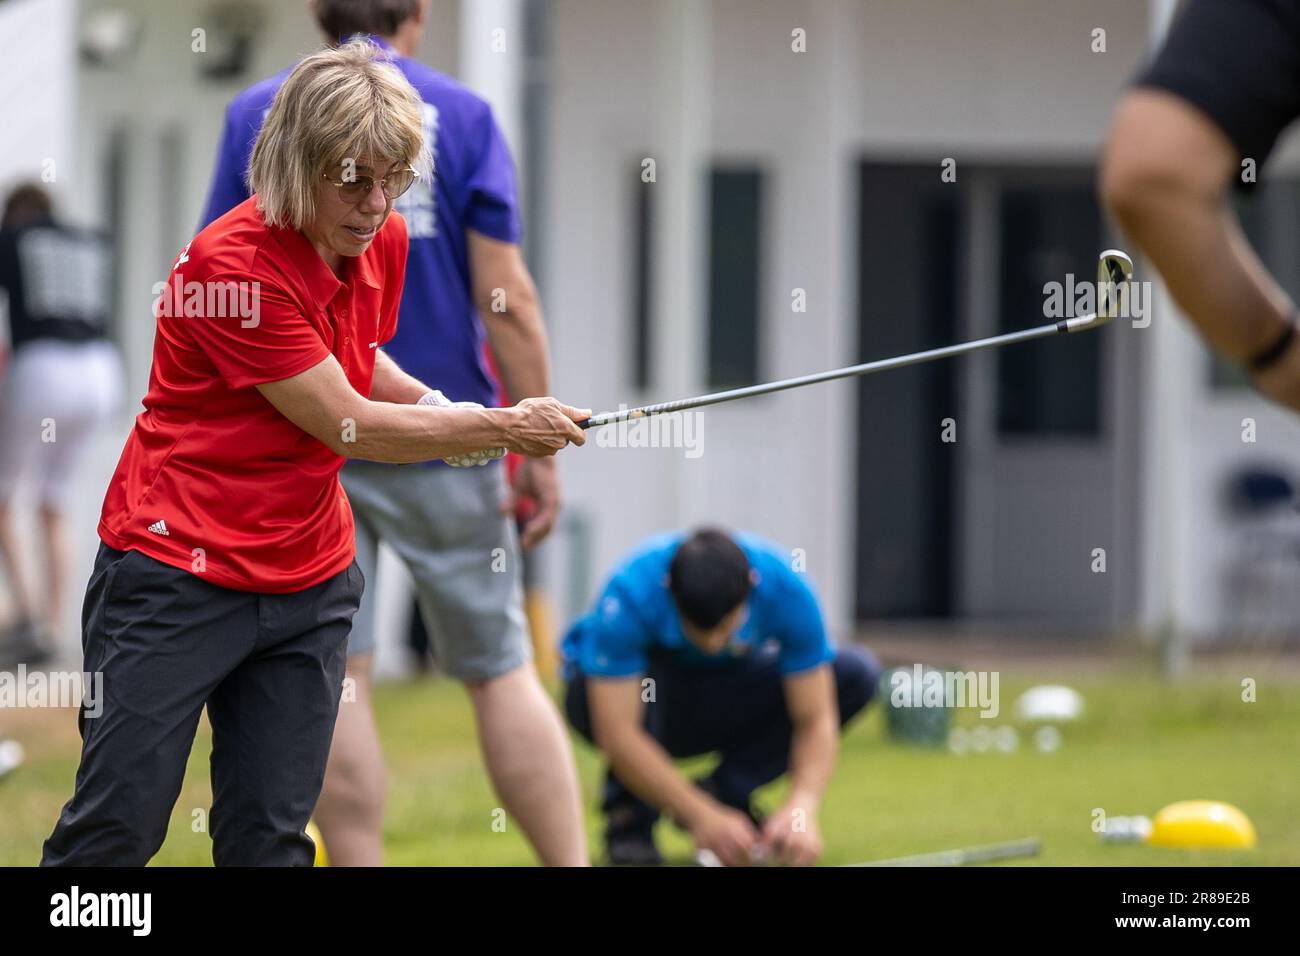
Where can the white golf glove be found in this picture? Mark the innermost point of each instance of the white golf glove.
(436, 397)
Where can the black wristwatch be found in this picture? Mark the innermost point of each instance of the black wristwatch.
(1269, 356)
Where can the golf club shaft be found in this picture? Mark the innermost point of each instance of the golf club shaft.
(1016, 849)
(881, 365)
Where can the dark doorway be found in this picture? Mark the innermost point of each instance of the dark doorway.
(1048, 230)
(910, 266)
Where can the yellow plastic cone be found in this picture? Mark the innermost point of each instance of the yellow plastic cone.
(1202, 824)
(313, 831)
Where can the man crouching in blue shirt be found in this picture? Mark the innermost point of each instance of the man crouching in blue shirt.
(710, 643)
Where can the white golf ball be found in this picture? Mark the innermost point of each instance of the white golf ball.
(959, 740)
(11, 755)
(981, 739)
(1049, 702)
(1047, 739)
(1006, 739)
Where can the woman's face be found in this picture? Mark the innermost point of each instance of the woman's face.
(341, 228)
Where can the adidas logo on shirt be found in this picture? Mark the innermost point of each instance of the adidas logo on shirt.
(160, 527)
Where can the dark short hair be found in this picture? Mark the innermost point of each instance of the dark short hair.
(25, 203)
(341, 19)
(708, 577)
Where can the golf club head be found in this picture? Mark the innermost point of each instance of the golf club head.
(1114, 268)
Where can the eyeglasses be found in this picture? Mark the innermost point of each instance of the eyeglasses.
(357, 188)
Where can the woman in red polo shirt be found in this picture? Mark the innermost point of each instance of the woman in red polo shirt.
(226, 575)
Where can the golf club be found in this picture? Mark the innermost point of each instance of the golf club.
(1114, 269)
(990, 853)
(1015, 849)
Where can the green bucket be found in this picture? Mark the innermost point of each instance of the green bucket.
(912, 716)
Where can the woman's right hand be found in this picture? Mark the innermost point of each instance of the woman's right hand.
(540, 427)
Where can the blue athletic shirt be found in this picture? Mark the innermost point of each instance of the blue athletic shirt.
(636, 613)
(439, 336)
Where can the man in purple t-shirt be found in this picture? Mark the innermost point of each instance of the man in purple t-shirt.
(466, 285)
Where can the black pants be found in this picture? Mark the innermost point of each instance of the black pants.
(736, 709)
(270, 669)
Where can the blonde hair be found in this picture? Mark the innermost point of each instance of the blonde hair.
(340, 103)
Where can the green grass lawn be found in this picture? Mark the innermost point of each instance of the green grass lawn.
(1142, 744)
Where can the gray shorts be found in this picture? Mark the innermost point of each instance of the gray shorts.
(463, 554)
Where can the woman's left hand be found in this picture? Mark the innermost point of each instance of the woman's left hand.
(436, 397)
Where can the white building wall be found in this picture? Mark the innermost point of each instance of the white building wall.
(926, 79)
(38, 103)
(38, 90)
(783, 465)
(1001, 79)
(603, 112)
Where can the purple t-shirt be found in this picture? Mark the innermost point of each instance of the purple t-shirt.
(440, 339)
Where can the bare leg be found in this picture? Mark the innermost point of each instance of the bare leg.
(530, 761)
(18, 585)
(350, 812)
(50, 609)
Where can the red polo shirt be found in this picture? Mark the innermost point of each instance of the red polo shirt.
(213, 479)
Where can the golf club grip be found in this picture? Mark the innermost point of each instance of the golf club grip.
(644, 411)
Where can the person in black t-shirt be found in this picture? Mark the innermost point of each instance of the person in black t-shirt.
(62, 380)
(1204, 114)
